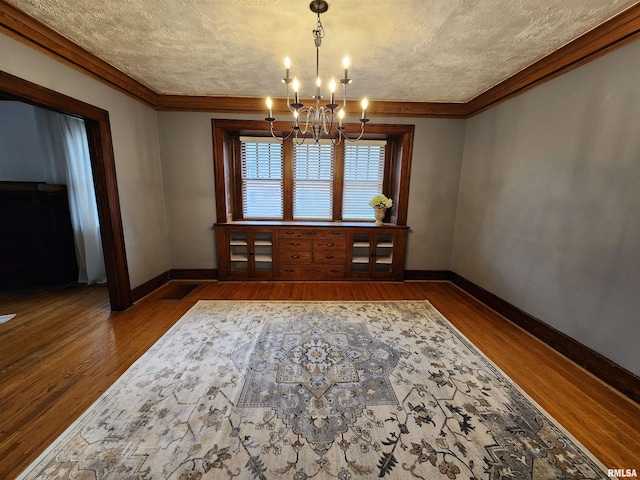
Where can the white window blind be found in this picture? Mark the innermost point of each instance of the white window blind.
(363, 177)
(262, 172)
(313, 181)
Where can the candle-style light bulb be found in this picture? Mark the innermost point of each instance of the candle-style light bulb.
(270, 106)
(364, 104)
(345, 64)
(332, 89)
(340, 117)
(296, 88)
(287, 66)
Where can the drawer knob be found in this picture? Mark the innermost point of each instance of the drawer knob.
(289, 270)
(295, 256)
(335, 271)
(295, 244)
(289, 233)
(329, 256)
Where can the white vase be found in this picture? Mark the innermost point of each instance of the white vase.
(380, 212)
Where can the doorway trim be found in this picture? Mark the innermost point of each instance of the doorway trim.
(104, 176)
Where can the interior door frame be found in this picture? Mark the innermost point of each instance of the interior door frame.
(104, 176)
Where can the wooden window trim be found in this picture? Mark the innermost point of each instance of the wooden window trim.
(338, 182)
(226, 155)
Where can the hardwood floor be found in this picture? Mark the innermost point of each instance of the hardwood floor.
(65, 347)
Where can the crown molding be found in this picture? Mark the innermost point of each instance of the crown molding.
(255, 105)
(616, 32)
(620, 30)
(33, 33)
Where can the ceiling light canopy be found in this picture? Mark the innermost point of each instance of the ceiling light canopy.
(316, 120)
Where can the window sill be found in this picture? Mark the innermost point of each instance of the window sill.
(318, 224)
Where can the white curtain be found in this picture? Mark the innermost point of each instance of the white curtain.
(65, 141)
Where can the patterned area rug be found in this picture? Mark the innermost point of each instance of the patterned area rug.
(300, 390)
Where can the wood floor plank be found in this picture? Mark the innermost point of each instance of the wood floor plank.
(65, 347)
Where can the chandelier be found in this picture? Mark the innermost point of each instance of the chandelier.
(317, 120)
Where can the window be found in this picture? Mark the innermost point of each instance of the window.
(313, 181)
(363, 178)
(262, 179)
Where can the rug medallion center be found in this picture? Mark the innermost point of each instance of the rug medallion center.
(318, 374)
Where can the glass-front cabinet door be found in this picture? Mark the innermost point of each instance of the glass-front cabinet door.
(382, 261)
(360, 255)
(239, 251)
(262, 253)
(371, 254)
(249, 253)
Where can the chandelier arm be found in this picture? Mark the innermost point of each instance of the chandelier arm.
(327, 117)
(304, 138)
(334, 137)
(291, 109)
(344, 135)
(283, 138)
(309, 111)
(318, 122)
(344, 96)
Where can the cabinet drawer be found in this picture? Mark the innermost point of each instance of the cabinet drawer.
(312, 271)
(312, 233)
(295, 244)
(294, 257)
(334, 234)
(327, 256)
(290, 233)
(329, 244)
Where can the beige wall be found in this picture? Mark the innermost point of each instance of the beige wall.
(135, 142)
(187, 165)
(549, 208)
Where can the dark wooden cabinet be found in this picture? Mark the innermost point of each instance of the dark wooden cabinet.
(245, 253)
(310, 251)
(377, 254)
(36, 236)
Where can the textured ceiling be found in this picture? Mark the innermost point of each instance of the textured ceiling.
(401, 50)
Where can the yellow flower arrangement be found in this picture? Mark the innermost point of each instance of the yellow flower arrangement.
(381, 201)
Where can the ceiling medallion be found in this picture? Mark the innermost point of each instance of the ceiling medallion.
(316, 120)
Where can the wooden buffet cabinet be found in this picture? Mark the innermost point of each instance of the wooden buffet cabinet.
(310, 251)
